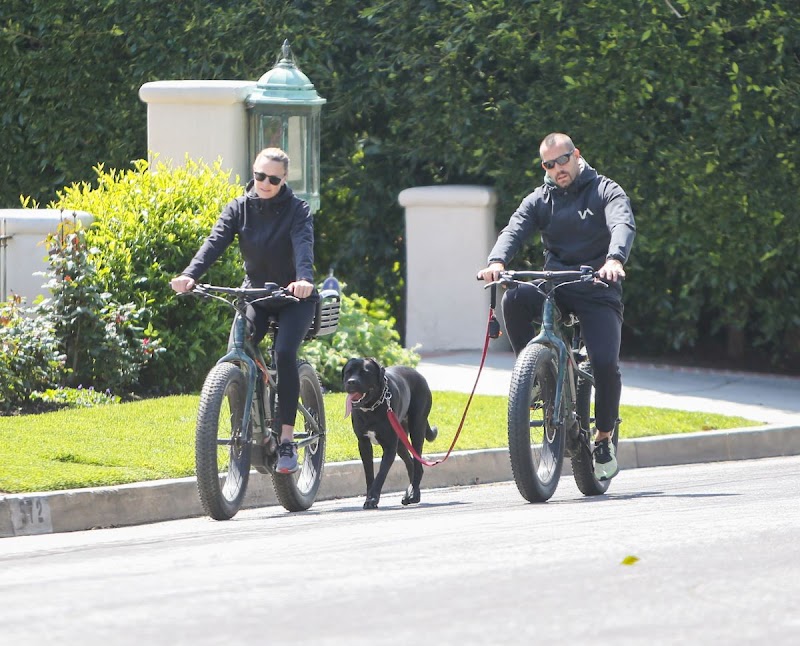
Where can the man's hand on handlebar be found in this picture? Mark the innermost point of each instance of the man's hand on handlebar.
(182, 284)
(492, 272)
(301, 288)
(612, 270)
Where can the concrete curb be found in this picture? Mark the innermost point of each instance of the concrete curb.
(162, 500)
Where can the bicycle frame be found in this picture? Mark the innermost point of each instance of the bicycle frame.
(568, 369)
(250, 359)
(550, 335)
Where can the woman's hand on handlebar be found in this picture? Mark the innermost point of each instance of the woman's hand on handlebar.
(492, 272)
(301, 288)
(612, 270)
(182, 284)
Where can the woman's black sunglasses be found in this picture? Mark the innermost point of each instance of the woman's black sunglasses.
(273, 179)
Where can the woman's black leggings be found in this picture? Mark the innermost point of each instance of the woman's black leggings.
(600, 313)
(294, 319)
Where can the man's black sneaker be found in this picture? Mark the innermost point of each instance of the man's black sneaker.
(287, 457)
(605, 460)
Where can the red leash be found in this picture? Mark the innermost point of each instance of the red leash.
(398, 428)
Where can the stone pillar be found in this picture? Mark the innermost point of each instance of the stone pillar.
(23, 253)
(205, 120)
(449, 232)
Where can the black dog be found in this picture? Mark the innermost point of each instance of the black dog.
(371, 390)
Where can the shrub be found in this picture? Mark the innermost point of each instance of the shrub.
(148, 224)
(30, 358)
(104, 343)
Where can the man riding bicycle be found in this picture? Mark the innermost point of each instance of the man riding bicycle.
(584, 219)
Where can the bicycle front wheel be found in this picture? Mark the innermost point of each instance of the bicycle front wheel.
(535, 444)
(222, 451)
(297, 491)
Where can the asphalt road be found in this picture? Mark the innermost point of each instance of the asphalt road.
(701, 553)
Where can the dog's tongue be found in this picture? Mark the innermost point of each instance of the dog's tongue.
(348, 403)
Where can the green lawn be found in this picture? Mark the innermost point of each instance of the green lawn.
(154, 438)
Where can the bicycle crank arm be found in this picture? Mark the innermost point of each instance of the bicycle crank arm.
(304, 439)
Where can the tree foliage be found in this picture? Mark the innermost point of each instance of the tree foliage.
(690, 106)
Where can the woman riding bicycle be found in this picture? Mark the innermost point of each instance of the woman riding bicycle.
(275, 230)
(584, 219)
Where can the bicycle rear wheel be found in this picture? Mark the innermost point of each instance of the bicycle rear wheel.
(222, 452)
(535, 444)
(582, 462)
(297, 491)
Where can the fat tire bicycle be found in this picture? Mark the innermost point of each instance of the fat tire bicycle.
(551, 394)
(238, 419)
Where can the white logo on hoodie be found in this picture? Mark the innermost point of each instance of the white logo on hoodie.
(583, 214)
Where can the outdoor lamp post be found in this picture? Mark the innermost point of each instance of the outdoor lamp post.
(284, 112)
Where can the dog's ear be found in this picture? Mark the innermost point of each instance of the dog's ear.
(347, 366)
(381, 370)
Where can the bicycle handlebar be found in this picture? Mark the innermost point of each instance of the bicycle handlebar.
(583, 275)
(270, 291)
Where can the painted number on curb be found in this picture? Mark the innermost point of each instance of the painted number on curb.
(31, 516)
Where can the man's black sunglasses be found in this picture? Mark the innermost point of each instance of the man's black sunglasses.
(560, 160)
(273, 179)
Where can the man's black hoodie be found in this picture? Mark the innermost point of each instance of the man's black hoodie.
(582, 224)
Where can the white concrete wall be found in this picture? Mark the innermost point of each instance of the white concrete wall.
(203, 119)
(25, 253)
(449, 232)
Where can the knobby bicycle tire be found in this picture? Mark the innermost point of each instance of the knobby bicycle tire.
(297, 491)
(535, 445)
(222, 470)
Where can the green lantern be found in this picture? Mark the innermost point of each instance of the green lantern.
(284, 112)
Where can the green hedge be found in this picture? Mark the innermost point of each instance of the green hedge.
(691, 106)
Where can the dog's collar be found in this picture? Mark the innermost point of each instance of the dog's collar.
(386, 396)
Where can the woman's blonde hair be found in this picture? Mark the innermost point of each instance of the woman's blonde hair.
(275, 154)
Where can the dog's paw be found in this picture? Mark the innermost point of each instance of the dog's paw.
(371, 503)
(412, 496)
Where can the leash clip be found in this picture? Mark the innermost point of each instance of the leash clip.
(494, 326)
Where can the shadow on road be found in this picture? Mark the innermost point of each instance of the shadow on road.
(642, 494)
